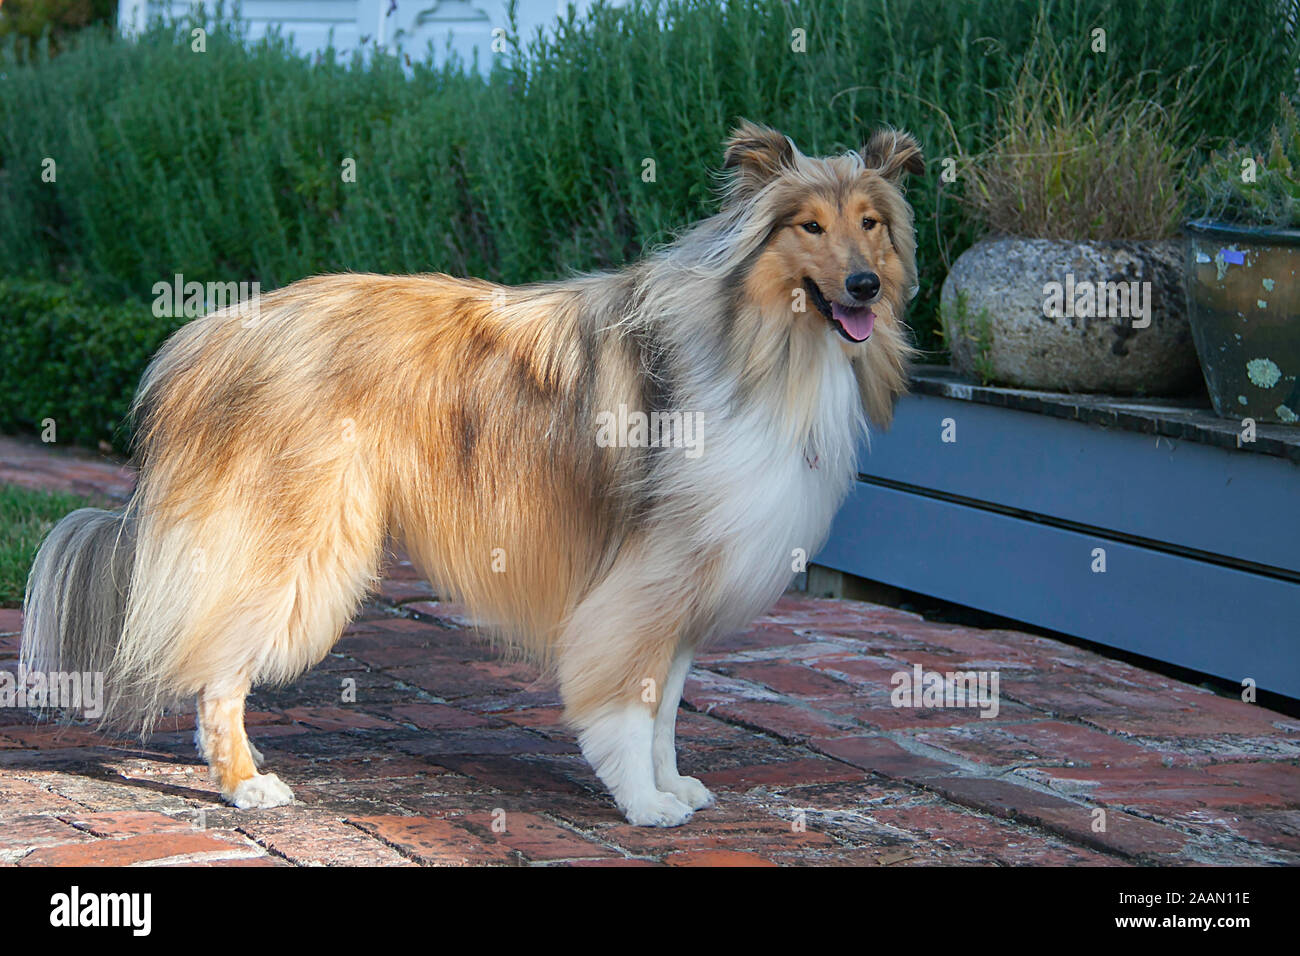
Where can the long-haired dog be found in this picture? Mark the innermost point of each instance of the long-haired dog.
(463, 418)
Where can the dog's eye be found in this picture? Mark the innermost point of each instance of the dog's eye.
(868, 223)
(812, 226)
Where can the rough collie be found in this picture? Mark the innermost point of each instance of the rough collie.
(607, 471)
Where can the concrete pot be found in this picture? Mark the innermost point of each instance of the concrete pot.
(1067, 316)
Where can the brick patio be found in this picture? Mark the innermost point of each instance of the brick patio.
(448, 756)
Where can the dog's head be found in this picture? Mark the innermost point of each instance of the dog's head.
(838, 253)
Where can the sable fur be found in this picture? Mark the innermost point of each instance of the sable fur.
(277, 453)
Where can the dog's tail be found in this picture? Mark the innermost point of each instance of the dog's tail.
(75, 607)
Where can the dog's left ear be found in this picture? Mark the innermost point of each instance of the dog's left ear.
(892, 152)
(757, 154)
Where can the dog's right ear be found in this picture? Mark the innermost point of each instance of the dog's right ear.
(756, 154)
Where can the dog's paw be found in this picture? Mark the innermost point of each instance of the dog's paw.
(690, 792)
(659, 810)
(261, 792)
(258, 760)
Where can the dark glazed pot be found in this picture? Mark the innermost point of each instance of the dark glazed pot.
(1243, 299)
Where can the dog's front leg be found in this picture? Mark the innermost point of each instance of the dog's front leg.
(618, 741)
(621, 677)
(686, 789)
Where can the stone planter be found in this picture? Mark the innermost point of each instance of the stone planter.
(1060, 315)
(1245, 313)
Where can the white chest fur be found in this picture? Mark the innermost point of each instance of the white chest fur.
(766, 502)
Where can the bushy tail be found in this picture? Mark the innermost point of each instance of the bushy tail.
(76, 600)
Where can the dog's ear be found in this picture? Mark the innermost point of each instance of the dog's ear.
(757, 154)
(892, 152)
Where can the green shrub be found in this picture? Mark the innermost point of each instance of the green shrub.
(1239, 185)
(225, 165)
(65, 355)
(30, 21)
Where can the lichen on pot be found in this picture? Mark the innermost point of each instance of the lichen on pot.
(1064, 315)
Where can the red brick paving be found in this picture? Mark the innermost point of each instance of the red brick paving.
(450, 757)
(158, 849)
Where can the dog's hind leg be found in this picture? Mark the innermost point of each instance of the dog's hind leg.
(233, 759)
(258, 760)
(686, 789)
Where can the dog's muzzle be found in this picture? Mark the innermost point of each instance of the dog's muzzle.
(854, 322)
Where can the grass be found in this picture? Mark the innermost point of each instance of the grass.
(1107, 164)
(977, 329)
(26, 516)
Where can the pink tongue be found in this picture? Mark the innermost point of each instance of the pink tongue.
(857, 322)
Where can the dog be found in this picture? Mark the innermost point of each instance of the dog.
(608, 471)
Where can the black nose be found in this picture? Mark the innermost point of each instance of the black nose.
(862, 285)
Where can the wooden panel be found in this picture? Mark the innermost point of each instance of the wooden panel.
(1193, 613)
(1242, 505)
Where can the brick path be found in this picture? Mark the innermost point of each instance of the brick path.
(34, 465)
(448, 756)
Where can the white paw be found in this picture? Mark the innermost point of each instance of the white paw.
(261, 792)
(258, 760)
(690, 792)
(660, 810)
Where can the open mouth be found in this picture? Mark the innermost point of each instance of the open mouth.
(853, 322)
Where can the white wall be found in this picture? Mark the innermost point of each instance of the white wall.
(408, 25)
